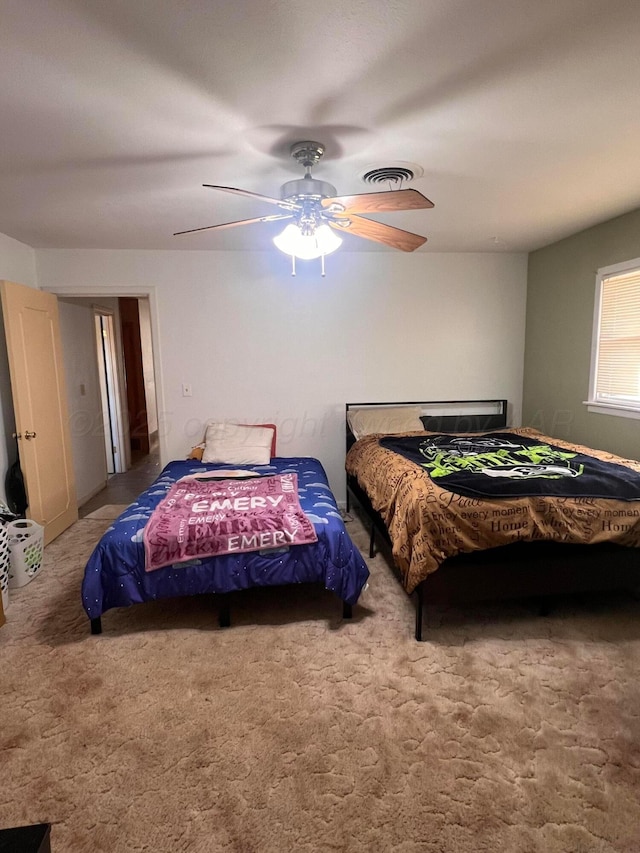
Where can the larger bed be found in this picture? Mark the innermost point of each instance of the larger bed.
(115, 575)
(452, 543)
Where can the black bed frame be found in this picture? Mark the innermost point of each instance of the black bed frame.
(521, 570)
(224, 615)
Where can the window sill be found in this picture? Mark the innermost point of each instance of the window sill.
(610, 409)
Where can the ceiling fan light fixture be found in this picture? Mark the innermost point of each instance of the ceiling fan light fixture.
(314, 206)
(307, 247)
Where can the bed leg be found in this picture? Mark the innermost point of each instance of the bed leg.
(544, 607)
(419, 610)
(347, 611)
(372, 541)
(96, 625)
(224, 617)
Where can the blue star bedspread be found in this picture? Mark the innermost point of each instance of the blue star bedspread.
(115, 574)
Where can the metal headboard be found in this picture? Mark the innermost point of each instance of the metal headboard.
(446, 415)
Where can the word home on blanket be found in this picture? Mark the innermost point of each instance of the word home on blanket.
(201, 518)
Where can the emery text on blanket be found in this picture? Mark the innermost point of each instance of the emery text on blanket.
(201, 518)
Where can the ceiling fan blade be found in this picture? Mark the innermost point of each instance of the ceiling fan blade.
(379, 202)
(273, 218)
(387, 234)
(286, 205)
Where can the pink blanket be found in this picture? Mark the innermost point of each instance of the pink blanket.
(200, 518)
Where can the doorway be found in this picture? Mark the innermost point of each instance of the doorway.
(110, 395)
(137, 403)
(93, 341)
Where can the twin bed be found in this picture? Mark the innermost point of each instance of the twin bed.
(473, 510)
(121, 570)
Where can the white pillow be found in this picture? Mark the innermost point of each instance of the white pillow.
(237, 445)
(388, 420)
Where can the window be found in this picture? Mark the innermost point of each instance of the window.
(614, 386)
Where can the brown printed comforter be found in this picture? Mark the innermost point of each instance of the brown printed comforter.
(427, 524)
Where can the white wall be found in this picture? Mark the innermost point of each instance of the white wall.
(77, 331)
(259, 345)
(18, 264)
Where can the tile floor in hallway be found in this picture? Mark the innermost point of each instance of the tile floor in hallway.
(125, 488)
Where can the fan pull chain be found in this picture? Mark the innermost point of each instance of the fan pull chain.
(293, 265)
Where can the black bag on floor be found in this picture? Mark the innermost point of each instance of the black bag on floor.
(16, 492)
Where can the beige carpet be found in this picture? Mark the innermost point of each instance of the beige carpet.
(295, 731)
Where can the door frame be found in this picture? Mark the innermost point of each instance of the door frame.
(110, 389)
(149, 292)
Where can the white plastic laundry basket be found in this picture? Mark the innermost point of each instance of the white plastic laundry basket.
(26, 547)
(5, 559)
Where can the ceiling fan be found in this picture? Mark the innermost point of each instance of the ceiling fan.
(318, 215)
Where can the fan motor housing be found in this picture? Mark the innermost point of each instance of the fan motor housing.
(305, 188)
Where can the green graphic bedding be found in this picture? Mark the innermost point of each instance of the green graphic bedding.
(508, 465)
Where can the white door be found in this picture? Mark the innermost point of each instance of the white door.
(40, 405)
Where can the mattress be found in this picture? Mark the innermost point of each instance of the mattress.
(428, 523)
(115, 574)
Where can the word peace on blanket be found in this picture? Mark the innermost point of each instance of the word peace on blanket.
(200, 518)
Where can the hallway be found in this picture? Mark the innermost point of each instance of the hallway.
(125, 488)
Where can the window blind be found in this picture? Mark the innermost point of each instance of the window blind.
(618, 360)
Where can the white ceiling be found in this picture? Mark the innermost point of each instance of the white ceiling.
(523, 114)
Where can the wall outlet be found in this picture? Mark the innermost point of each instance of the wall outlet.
(186, 389)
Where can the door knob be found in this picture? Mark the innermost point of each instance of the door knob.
(29, 435)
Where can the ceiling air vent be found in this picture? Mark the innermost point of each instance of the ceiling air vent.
(396, 174)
